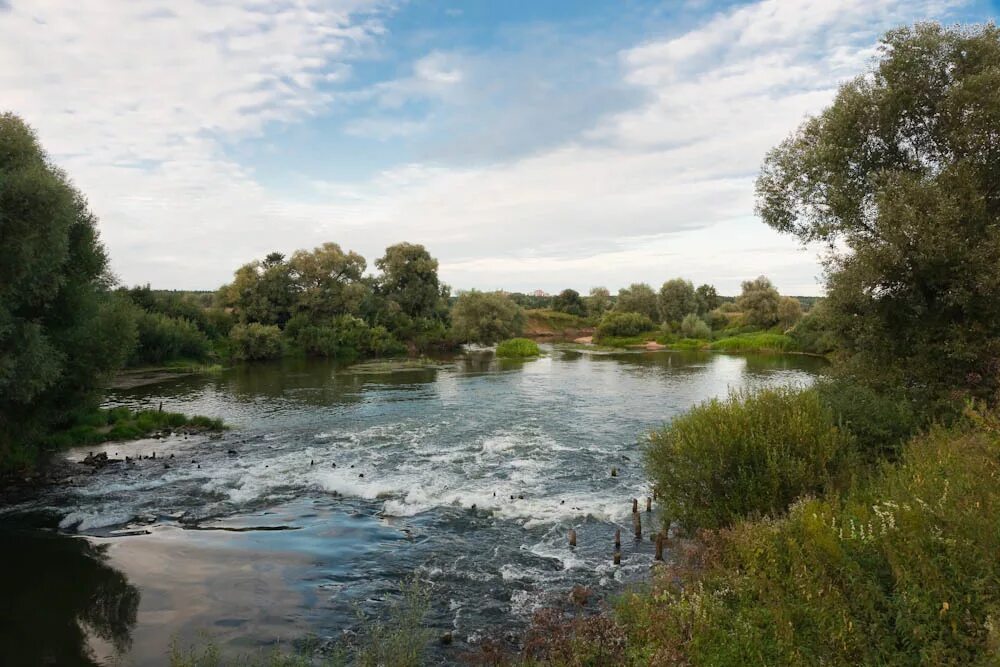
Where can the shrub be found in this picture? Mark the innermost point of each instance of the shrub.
(902, 571)
(880, 422)
(623, 325)
(163, 338)
(693, 326)
(751, 454)
(255, 341)
(518, 347)
(485, 317)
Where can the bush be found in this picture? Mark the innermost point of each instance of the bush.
(518, 347)
(879, 422)
(902, 571)
(693, 326)
(485, 317)
(163, 338)
(749, 455)
(255, 341)
(623, 325)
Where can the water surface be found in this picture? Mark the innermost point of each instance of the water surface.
(466, 473)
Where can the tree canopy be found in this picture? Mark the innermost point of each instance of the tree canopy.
(486, 317)
(676, 300)
(900, 178)
(638, 298)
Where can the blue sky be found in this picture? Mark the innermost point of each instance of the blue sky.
(544, 144)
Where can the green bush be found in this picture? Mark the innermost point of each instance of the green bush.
(518, 347)
(751, 454)
(902, 571)
(756, 342)
(164, 338)
(255, 341)
(880, 422)
(693, 326)
(623, 325)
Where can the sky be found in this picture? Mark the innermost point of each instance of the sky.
(528, 144)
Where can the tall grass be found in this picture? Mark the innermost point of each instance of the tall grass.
(518, 347)
(902, 571)
(756, 342)
(751, 454)
(97, 426)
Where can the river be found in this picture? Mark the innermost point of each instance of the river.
(336, 484)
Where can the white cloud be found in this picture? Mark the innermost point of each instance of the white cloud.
(137, 102)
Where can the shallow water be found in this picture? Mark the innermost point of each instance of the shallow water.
(467, 473)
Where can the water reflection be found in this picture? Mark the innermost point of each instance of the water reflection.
(62, 602)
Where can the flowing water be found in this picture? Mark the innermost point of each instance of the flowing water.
(337, 484)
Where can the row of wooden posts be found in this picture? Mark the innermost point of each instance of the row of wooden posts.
(636, 527)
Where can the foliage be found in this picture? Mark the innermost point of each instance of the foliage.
(485, 317)
(638, 298)
(814, 332)
(623, 324)
(518, 347)
(693, 326)
(61, 333)
(92, 427)
(676, 300)
(900, 177)
(879, 422)
(255, 341)
(756, 342)
(747, 456)
(789, 312)
(598, 302)
(163, 338)
(759, 302)
(901, 571)
(410, 280)
(569, 301)
(707, 298)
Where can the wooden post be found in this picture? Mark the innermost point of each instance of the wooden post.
(659, 546)
(635, 505)
(618, 557)
(572, 537)
(637, 525)
(614, 471)
(649, 504)
(618, 539)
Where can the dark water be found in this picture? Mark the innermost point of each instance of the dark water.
(275, 542)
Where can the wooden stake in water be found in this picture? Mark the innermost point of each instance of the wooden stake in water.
(659, 546)
(635, 505)
(637, 525)
(618, 557)
(572, 537)
(614, 472)
(618, 539)
(649, 504)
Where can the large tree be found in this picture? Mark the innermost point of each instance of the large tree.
(900, 177)
(485, 317)
(759, 302)
(676, 300)
(61, 331)
(569, 301)
(410, 280)
(638, 298)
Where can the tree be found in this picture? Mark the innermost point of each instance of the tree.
(638, 298)
(707, 298)
(262, 291)
(693, 326)
(410, 279)
(486, 317)
(327, 282)
(569, 301)
(677, 299)
(900, 178)
(61, 331)
(759, 302)
(789, 312)
(599, 301)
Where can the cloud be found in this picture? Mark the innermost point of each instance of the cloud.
(644, 173)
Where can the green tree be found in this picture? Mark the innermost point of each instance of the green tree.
(677, 299)
(789, 311)
(693, 326)
(410, 279)
(638, 298)
(759, 302)
(569, 301)
(61, 331)
(900, 177)
(599, 301)
(486, 317)
(708, 299)
(327, 282)
(262, 291)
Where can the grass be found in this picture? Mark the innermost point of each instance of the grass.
(100, 425)
(756, 342)
(553, 321)
(628, 341)
(518, 348)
